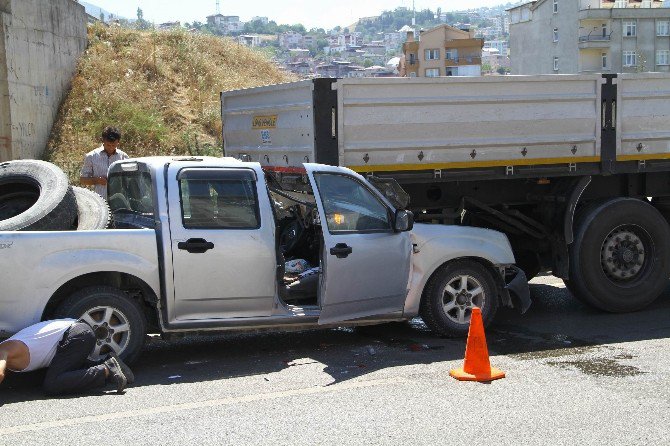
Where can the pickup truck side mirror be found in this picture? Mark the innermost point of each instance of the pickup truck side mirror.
(403, 221)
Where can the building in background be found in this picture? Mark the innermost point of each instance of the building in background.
(289, 40)
(263, 20)
(442, 51)
(251, 40)
(585, 36)
(226, 24)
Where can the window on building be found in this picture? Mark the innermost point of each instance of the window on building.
(604, 29)
(555, 63)
(451, 54)
(630, 29)
(621, 3)
(663, 28)
(603, 56)
(432, 54)
(555, 34)
(663, 57)
(432, 72)
(412, 58)
(412, 74)
(629, 58)
(555, 6)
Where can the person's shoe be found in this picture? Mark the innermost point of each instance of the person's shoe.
(130, 376)
(116, 374)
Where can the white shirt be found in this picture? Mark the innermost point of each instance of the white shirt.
(96, 164)
(42, 340)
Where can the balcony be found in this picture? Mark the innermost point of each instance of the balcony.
(464, 43)
(595, 40)
(466, 60)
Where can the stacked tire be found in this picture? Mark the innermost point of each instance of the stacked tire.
(36, 196)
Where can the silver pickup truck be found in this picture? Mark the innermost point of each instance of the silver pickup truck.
(204, 244)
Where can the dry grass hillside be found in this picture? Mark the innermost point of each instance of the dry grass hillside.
(161, 88)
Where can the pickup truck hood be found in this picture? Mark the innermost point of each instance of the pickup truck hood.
(423, 234)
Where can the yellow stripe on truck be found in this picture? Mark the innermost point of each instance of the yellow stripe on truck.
(641, 157)
(474, 164)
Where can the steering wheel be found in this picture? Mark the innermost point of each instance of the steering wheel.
(291, 235)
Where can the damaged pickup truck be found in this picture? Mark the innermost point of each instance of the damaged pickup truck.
(212, 244)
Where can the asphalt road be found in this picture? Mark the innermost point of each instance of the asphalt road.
(574, 376)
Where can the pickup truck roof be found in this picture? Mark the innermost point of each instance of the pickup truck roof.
(157, 162)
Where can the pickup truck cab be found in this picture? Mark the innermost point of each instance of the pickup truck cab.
(202, 244)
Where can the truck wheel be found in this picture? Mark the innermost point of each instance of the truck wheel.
(35, 196)
(620, 260)
(92, 210)
(116, 320)
(452, 293)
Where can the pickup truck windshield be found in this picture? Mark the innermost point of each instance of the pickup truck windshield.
(131, 199)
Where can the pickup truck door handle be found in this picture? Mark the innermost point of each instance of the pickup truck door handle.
(341, 250)
(196, 245)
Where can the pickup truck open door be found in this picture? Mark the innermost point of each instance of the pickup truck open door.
(366, 263)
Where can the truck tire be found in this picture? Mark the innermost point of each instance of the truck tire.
(451, 294)
(92, 210)
(117, 321)
(35, 196)
(620, 259)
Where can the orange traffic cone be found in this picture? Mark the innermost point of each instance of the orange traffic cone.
(476, 366)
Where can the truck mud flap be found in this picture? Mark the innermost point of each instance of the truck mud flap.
(516, 286)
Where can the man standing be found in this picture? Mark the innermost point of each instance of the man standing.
(97, 161)
(62, 346)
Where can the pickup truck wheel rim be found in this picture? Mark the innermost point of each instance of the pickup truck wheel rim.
(111, 328)
(461, 294)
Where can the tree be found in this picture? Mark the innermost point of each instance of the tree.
(141, 23)
(367, 63)
(641, 66)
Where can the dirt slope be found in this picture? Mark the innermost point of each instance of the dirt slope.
(161, 88)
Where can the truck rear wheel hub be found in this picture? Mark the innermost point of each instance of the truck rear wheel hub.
(623, 254)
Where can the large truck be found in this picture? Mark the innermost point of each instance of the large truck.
(575, 169)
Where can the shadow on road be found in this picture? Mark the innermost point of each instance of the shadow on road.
(556, 326)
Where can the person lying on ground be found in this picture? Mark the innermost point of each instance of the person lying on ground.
(62, 346)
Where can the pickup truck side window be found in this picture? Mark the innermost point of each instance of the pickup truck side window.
(219, 199)
(350, 206)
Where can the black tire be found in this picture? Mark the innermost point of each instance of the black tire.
(90, 304)
(620, 259)
(446, 322)
(92, 210)
(35, 196)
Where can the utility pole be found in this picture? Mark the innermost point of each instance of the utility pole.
(414, 19)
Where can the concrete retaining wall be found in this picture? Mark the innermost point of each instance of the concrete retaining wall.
(40, 43)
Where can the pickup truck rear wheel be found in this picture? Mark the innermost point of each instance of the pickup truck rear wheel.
(452, 293)
(620, 260)
(35, 196)
(116, 320)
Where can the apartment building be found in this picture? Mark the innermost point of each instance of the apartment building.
(226, 23)
(589, 36)
(442, 51)
(289, 40)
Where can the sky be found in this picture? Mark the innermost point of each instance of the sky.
(322, 14)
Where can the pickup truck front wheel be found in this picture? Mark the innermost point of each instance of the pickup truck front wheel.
(117, 321)
(452, 293)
